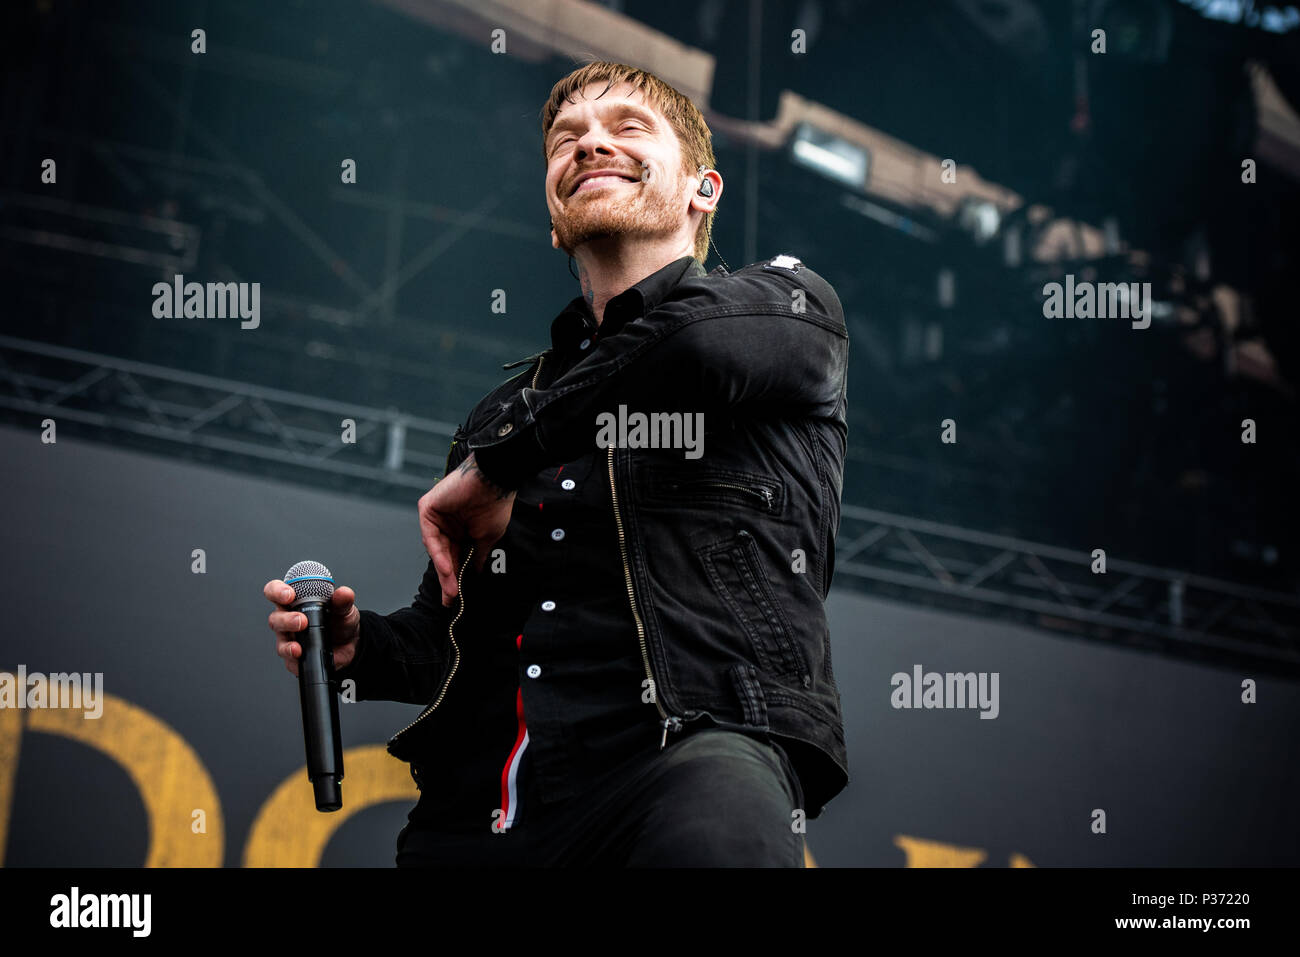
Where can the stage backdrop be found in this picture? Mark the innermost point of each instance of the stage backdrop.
(197, 758)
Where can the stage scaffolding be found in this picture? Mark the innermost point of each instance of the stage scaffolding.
(397, 455)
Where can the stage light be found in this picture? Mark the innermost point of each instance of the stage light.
(831, 156)
(980, 218)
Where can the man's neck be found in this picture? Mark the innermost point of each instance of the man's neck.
(604, 273)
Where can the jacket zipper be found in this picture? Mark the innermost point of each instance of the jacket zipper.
(460, 588)
(455, 648)
(519, 362)
(762, 491)
(669, 722)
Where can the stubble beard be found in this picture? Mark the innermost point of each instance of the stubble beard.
(641, 211)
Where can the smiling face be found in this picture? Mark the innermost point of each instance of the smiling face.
(642, 190)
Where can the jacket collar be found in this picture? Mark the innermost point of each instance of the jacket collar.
(577, 322)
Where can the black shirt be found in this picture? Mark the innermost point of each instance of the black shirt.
(550, 700)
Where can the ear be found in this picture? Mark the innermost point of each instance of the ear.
(555, 240)
(706, 204)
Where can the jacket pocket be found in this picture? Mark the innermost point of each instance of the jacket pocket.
(736, 572)
(715, 487)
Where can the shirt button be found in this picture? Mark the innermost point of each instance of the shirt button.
(504, 429)
(557, 534)
(568, 484)
(534, 671)
(548, 606)
(584, 343)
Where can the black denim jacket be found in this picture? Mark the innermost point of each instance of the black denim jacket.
(727, 557)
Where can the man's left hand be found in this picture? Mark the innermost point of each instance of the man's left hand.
(462, 507)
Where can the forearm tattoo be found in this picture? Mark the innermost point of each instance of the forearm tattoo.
(469, 465)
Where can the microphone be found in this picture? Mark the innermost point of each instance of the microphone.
(313, 587)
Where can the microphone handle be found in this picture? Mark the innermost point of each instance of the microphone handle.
(320, 711)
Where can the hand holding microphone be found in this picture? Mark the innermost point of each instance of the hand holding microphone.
(344, 626)
(309, 604)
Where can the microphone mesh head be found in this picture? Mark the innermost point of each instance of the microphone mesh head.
(311, 581)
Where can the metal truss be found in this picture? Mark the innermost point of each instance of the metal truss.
(912, 559)
(1161, 609)
(241, 420)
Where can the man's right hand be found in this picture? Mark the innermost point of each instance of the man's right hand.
(462, 507)
(343, 624)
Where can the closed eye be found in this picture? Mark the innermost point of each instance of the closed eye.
(624, 128)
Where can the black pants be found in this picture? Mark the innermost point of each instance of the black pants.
(715, 798)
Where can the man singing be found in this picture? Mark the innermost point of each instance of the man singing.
(620, 640)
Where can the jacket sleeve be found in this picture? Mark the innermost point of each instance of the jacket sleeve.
(404, 656)
(762, 338)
